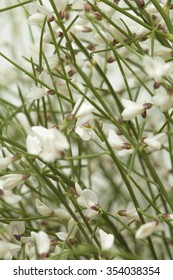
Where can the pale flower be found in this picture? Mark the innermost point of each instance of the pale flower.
(87, 199)
(8, 250)
(156, 141)
(16, 229)
(52, 62)
(38, 14)
(47, 143)
(61, 5)
(43, 209)
(84, 128)
(147, 229)
(157, 68)
(36, 93)
(106, 240)
(8, 196)
(116, 142)
(71, 231)
(108, 10)
(42, 242)
(82, 108)
(11, 181)
(5, 162)
(164, 101)
(133, 109)
(130, 214)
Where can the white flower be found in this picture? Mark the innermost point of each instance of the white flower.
(106, 240)
(61, 213)
(133, 109)
(71, 231)
(108, 10)
(131, 214)
(52, 62)
(147, 229)
(11, 181)
(155, 141)
(38, 14)
(87, 199)
(82, 108)
(8, 196)
(42, 242)
(157, 68)
(78, 189)
(8, 250)
(84, 127)
(5, 162)
(36, 93)
(164, 101)
(43, 209)
(16, 229)
(61, 4)
(47, 143)
(116, 142)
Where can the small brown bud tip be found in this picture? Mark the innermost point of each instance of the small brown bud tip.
(62, 154)
(53, 242)
(110, 59)
(62, 15)
(95, 208)
(71, 73)
(17, 156)
(98, 16)
(144, 114)
(51, 92)
(156, 85)
(147, 106)
(114, 42)
(166, 216)
(170, 171)
(142, 139)
(161, 27)
(100, 123)
(66, 15)
(170, 91)
(87, 8)
(86, 29)
(60, 34)
(51, 19)
(17, 237)
(120, 120)
(69, 117)
(86, 125)
(127, 146)
(122, 213)
(91, 47)
(25, 176)
(154, 17)
(141, 3)
(171, 6)
(1, 192)
(73, 191)
(72, 241)
(44, 255)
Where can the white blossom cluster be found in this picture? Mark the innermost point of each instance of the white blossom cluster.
(86, 157)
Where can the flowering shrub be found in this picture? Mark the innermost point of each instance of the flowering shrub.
(86, 106)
